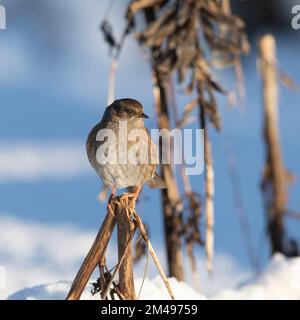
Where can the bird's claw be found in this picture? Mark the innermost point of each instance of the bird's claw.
(110, 210)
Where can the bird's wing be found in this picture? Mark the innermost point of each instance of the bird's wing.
(92, 144)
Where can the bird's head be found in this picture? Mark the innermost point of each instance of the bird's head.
(125, 109)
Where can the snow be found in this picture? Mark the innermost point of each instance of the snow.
(33, 264)
(44, 253)
(155, 289)
(35, 253)
(54, 291)
(280, 280)
(152, 290)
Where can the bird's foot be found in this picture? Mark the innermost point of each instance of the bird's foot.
(109, 209)
(110, 199)
(132, 195)
(129, 200)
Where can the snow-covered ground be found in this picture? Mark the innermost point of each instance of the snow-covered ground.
(44, 259)
(152, 289)
(280, 280)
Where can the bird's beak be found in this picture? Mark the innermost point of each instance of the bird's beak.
(144, 116)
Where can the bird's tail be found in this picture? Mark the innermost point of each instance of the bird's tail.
(156, 182)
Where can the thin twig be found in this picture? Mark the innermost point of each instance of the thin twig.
(118, 266)
(112, 81)
(144, 276)
(240, 208)
(292, 214)
(152, 252)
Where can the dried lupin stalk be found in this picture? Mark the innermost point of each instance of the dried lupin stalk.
(275, 180)
(178, 35)
(209, 204)
(123, 209)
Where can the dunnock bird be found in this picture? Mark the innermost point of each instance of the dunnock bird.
(120, 174)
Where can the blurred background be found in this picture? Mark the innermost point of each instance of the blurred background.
(54, 68)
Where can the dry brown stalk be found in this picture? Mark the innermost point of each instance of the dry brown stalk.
(209, 203)
(274, 182)
(140, 225)
(178, 34)
(126, 229)
(95, 255)
(128, 220)
(239, 74)
(107, 288)
(170, 196)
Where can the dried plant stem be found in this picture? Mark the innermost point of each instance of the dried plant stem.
(126, 230)
(185, 178)
(139, 224)
(187, 190)
(128, 220)
(102, 269)
(145, 273)
(112, 81)
(193, 264)
(239, 74)
(292, 214)
(209, 194)
(143, 231)
(275, 184)
(95, 255)
(209, 205)
(117, 268)
(170, 195)
(240, 208)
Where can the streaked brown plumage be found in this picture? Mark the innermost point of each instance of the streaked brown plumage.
(119, 175)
